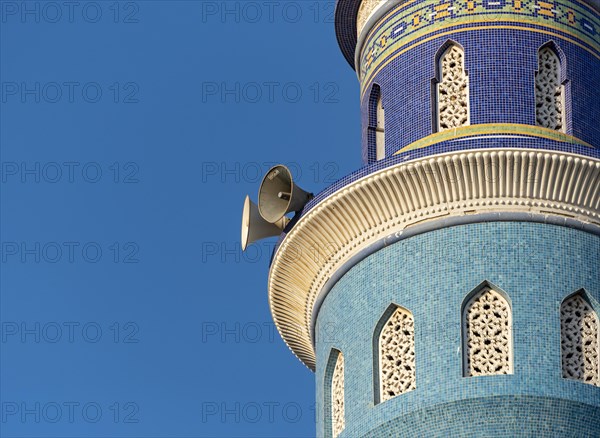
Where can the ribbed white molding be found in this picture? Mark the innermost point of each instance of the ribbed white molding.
(455, 184)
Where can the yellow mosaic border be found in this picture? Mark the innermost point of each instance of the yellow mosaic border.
(373, 58)
(490, 129)
(442, 14)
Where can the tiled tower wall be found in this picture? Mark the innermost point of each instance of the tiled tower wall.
(536, 265)
(500, 41)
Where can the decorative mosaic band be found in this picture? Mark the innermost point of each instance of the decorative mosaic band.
(493, 129)
(413, 20)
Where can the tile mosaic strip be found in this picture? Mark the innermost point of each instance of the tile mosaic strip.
(413, 21)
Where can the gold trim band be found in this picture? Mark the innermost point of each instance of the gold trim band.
(491, 129)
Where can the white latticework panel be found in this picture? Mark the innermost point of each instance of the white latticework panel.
(579, 341)
(453, 90)
(397, 355)
(549, 95)
(488, 342)
(337, 397)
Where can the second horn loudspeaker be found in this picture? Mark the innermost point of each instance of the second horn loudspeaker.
(254, 227)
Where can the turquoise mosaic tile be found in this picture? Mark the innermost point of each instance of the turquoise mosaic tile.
(536, 265)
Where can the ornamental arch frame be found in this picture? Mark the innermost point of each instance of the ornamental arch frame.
(565, 83)
(595, 307)
(377, 368)
(464, 338)
(437, 80)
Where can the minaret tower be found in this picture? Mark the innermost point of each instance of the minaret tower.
(451, 285)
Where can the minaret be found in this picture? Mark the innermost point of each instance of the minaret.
(451, 286)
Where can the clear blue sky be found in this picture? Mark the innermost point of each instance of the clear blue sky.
(130, 134)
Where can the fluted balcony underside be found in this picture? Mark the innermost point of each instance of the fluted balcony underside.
(469, 183)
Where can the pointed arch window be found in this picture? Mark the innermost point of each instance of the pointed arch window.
(452, 89)
(549, 90)
(396, 353)
(579, 340)
(487, 339)
(334, 395)
(376, 129)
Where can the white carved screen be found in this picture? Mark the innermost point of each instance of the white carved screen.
(579, 341)
(397, 355)
(549, 92)
(487, 323)
(337, 397)
(452, 90)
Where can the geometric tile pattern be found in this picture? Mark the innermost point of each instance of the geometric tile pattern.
(412, 20)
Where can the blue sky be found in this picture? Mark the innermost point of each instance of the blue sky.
(130, 134)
